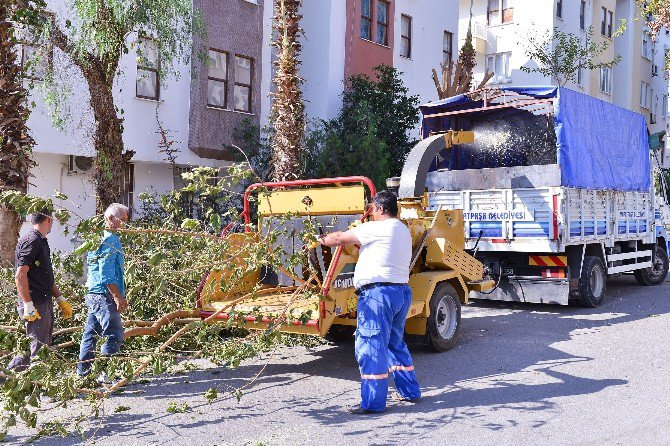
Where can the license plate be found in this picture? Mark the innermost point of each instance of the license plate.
(508, 271)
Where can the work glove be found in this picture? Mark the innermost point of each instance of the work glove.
(65, 307)
(30, 313)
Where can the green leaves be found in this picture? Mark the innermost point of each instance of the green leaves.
(211, 394)
(177, 408)
(84, 247)
(190, 223)
(562, 55)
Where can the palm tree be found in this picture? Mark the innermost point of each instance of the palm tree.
(15, 141)
(288, 108)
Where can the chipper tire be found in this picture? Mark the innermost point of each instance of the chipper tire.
(340, 333)
(592, 282)
(444, 322)
(657, 272)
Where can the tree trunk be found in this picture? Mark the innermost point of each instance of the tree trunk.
(15, 141)
(288, 108)
(10, 223)
(107, 140)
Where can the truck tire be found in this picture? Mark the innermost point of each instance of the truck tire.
(444, 322)
(657, 272)
(592, 282)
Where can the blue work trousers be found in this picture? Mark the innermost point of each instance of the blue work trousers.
(380, 347)
(104, 321)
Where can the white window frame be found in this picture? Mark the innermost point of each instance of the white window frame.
(492, 62)
(605, 80)
(645, 97)
(664, 106)
(580, 77)
(500, 12)
(647, 48)
(407, 37)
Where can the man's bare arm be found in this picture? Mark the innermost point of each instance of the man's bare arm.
(121, 302)
(21, 280)
(339, 239)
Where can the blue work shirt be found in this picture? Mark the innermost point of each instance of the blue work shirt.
(105, 266)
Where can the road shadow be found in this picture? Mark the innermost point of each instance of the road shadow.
(500, 342)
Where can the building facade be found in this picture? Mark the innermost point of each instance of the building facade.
(228, 79)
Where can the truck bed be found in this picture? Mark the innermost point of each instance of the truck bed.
(545, 219)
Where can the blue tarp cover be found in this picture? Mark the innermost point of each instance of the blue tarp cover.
(599, 145)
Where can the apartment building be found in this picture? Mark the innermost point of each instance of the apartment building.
(198, 107)
(347, 37)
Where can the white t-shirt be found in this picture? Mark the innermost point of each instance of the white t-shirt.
(386, 252)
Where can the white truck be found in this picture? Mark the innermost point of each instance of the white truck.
(556, 189)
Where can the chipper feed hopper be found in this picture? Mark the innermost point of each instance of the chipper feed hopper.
(441, 276)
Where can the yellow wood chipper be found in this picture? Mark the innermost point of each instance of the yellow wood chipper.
(442, 272)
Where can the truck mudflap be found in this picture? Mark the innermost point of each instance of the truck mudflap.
(528, 289)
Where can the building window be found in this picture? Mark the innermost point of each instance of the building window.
(35, 61)
(559, 9)
(580, 76)
(603, 22)
(646, 46)
(645, 95)
(148, 65)
(128, 195)
(605, 80)
(382, 23)
(654, 108)
(447, 47)
(499, 12)
(366, 19)
(493, 12)
(242, 90)
(610, 19)
(664, 106)
(499, 64)
(217, 79)
(582, 15)
(405, 36)
(507, 11)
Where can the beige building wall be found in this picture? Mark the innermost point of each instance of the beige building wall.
(596, 6)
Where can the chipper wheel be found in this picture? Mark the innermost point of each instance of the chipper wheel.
(444, 322)
(657, 272)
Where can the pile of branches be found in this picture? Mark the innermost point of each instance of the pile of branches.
(167, 252)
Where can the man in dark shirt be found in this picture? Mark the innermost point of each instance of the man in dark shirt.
(36, 285)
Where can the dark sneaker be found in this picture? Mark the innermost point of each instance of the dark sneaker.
(396, 396)
(358, 410)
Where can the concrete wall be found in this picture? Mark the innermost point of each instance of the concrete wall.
(50, 174)
(323, 56)
(428, 26)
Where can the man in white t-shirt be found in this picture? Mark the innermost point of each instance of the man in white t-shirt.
(381, 277)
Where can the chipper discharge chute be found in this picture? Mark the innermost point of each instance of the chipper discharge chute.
(442, 272)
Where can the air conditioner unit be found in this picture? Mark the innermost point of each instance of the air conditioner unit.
(78, 164)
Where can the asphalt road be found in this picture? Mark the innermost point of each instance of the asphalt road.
(522, 374)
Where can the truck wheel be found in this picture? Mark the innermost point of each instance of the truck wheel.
(657, 272)
(444, 322)
(592, 282)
